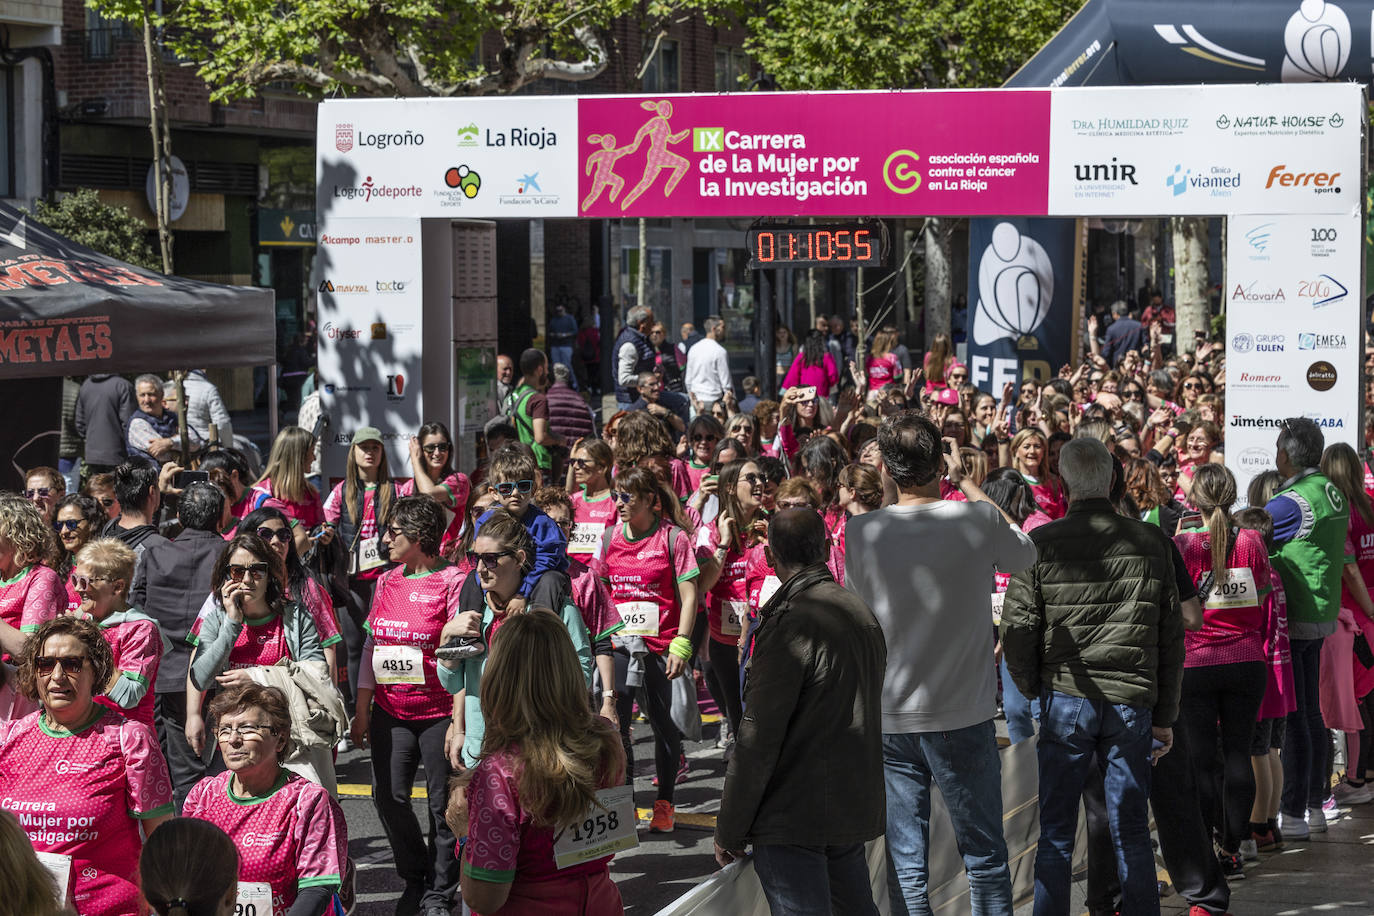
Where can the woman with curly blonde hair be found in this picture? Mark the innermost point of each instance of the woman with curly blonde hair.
(545, 760)
(31, 592)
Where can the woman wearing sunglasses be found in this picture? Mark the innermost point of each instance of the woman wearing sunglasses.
(745, 431)
(101, 578)
(252, 625)
(651, 572)
(431, 460)
(284, 480)
(593, 510)
(78, 519)
(30, 590)
(299, 871)
(702, 435)
(89, 778)
(404, 711)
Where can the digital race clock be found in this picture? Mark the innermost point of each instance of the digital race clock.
(849, 245)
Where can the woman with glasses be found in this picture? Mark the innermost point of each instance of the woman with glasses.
(78, 519)
(272, 525)
(252, 625)
(744, 430)
(30, 590)
(404, 712)
(431, 460)
(651, 572)
(101, 488)
(101, 578)
(87, 781)
(703, 433)
(291, 835)
(593, 510)
(1193, 386)
(284, 480)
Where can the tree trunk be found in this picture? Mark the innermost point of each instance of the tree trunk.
(162, 143)
(937, 291)
(1190, 280)
(642, 290)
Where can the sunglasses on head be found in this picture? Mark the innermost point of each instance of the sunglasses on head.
(71, 664)
(69, 524)
(436, 447)
(508, 487)
(236, 572)
(489, 560)
(275, 534)
(38, 493)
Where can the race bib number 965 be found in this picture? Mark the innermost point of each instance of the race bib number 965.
(640, 618)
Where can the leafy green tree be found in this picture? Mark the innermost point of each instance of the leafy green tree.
(901, 44)
(110, 230)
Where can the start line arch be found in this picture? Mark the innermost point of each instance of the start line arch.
(1284, 163)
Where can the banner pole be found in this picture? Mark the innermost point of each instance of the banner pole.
(273, 418)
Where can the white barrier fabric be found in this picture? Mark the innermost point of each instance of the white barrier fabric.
(735, 891)
(1294, 305)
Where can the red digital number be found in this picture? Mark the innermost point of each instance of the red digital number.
(829, 246)
(861, 245)
(772, 246)
(842, 247)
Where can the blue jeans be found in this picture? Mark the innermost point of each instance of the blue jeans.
(1016, 706)
(815, 880)
(964, 765)
(1072, 731)
(1304, 738)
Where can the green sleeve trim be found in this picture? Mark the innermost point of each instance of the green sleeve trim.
(319, 881)
(689, 575)
(192, 639)
(135, 677)
(331, 641)
(29, 628)
(160, 811)
(614, 628)
(491, 876)
(367, 628)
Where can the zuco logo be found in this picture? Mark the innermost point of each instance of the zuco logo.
(1260, 343)
(1309, 340)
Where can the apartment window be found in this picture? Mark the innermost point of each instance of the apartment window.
(732, 69)
(662, 73)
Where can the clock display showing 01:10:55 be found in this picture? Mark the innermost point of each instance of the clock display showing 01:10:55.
(822, 246)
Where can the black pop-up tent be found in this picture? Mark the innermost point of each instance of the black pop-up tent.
(67, 310)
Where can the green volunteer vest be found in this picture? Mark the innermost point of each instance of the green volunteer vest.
(1310, 564)
(524, 426)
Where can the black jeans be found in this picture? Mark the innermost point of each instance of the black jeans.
(398, 748)
(1222, 700)
(186, 768)
(657, 693)
(351, 618)
(1184, 840)
(1304, 738)
(725, 666)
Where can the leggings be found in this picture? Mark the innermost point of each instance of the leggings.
(351, 617)
(725, 666)
(657, 693)
(1222, 700)
(1305, 740)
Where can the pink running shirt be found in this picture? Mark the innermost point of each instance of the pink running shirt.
(591, 518)
(316, 600)
(1232, 631)
(293, 839)
(34, 596)
(731, 588)
(260, 642)
(636, 571)
(458, 487)
(137, 647)
(411, 611)
(105, 778)
(593, 600)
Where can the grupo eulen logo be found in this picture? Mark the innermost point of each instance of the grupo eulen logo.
(1321, 375)
(1242, 343)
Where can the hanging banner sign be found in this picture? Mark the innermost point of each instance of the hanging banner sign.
(1293, 321)
(1152, 150)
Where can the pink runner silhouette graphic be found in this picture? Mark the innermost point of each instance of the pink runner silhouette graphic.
(603, 160)
(659, 134)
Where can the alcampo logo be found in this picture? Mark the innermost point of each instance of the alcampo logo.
(899, 171)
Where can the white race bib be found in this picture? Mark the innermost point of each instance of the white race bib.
(398, 664)
(769, 589)
(60, 867)
(640, 618)
(254, 899)
(1236, 590)
(608, 828)
(997, 599)
(369, 554)
(586, 539)
(732, 617)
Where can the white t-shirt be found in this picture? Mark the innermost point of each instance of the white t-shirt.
(707, 373)
(927, 573)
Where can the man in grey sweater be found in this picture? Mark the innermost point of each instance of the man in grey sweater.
(925, 566)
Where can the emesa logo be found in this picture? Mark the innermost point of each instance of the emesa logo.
(1319, 182)
(1321, 375)
(1309, 340)
(369, 190)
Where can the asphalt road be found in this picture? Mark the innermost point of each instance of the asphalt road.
(661, 869)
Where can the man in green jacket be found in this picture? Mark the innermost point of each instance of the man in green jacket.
(1310, 517)
(1094, 629)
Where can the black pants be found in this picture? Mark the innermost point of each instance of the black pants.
(1305, 741)
(1183, 838)
(398, 748)
(187, 769)
(1222, 700)
(725, 666)
(351, 618)
(658, 707)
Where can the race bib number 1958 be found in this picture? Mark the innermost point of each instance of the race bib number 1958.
(608, 828)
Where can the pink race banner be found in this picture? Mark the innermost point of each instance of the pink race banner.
(951, 153)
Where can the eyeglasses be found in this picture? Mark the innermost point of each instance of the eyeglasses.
(506, 488)
(705, 437)
(253, 570)
(752, 479)
(81, 583)
(436, 447)
(621, 496)
(38, 493)
(71, 664)
(393, 532)
(582, 463)
(69, 524)
(1191, 386)
(246, 732)
(489, 560)
(275, 534)
(107, 501)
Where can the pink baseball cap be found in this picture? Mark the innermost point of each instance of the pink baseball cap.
(947, 396)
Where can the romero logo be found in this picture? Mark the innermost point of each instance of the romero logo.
(899, 172)
(1321, 375)
(343, 137)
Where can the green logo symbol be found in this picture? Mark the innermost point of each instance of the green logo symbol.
(898, 171)
(708, 139)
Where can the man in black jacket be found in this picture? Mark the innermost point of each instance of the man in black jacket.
(805, 786)
(103, 408)
(171, 584)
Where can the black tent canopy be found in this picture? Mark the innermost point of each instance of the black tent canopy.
(67, 310)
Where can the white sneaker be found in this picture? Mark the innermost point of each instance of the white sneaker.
(1248, 850)
(1346, 794)
(1316, 820)
(1293, 828)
